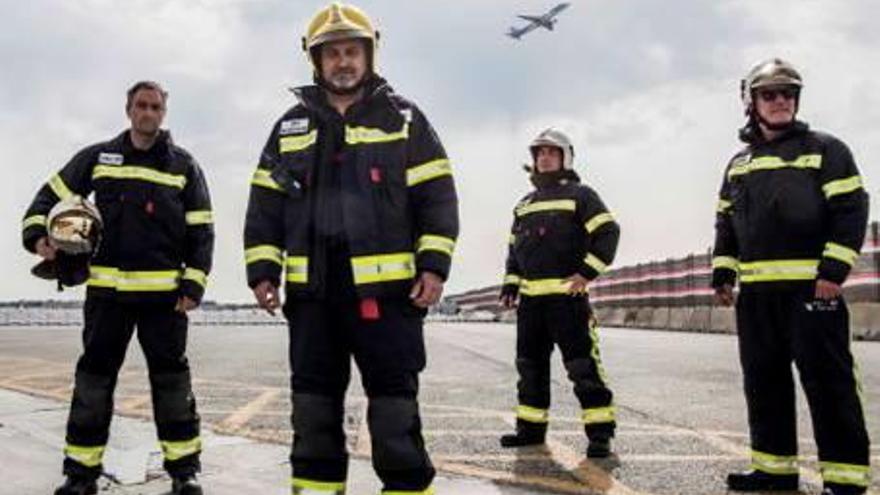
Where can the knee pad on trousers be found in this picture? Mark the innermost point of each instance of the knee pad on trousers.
(317, 427)
(92, 405)
(173, 399)
(534, 377)
(396, 429)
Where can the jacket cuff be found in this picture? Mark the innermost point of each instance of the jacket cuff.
(259, 271)
(722, 277)
(31, 235)
(434, 262)
(833, 270)
(510, 290)
(192, 290)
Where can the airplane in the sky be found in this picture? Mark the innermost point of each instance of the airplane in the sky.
(545, 21)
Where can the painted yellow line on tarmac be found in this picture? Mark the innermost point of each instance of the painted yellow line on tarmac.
(237, 419)
(516, 479)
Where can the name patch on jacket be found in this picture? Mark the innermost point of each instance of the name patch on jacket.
(293, 126)
(110, 159)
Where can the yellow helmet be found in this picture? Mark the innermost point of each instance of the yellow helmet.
(339, 21)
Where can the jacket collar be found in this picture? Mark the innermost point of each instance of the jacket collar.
(548, 180)
(314, 98)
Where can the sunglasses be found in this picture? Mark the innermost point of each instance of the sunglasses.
(769, 95)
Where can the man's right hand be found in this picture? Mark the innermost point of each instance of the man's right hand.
(508, 300)
(46, 249)
(267, 296)
(724, 295)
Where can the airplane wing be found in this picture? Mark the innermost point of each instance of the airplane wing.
(532, 18)
(559, 8)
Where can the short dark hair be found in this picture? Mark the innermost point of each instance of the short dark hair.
(151, 85)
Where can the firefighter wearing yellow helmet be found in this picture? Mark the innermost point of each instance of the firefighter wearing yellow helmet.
(791, 218)
(563, 238)
(353, 207)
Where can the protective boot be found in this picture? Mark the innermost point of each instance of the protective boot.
(599, 448)
(835, 489)
(527, 433)
(75, 485)
(759, 481)
(186, 485)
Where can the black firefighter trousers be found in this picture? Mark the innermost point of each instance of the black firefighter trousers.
(776, 328)
(109, 325)
(390, 353)
(568, 322)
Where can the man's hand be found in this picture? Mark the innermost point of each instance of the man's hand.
(427, 289)
(267, 296)
(508, 300)
(577, 285)
(46, 249)
(185, 304)
(827, 290)
(724, 295)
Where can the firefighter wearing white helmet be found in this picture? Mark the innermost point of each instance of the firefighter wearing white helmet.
(791, 218)
(74, 228)
(563, 238)
(361, 263)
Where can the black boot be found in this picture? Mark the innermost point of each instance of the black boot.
(527, 433)
(75, 485)
(186, 485)
(599, 448)
(835, 489)
(759, 481)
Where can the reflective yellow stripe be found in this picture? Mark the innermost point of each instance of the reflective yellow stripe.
(511, 279)
(302, 486)
(263, 252)
(595, 263)
(728, 262)
(597, 415)
(840, 252)
(426, 491)
(130, 172)
(598, 221)
(842, 186)
(178, 450)
(845, 474)
(87, 456)
(369, 135)
(428, 171)
(532, 414)
(723, 205)
(34, 220)
(774, 464)
(263, 178)
(778, 270)
(774, 162)
(594, 348)
(297, 269)
(544, 287)
(512, 239)
(199, 217)
(56, 183)
(197, 276)
(383, 268)
(290, 144)
(139, 281)
(538, 206)
(439, 243)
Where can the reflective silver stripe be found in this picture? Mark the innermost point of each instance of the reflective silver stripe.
(438, 243)
(264, 252)
(56, 183)
(842, 186)
(297, 269)
(134, 281)
(774, 163)
(34, 220)
(774, 464)
(778, 270)
(383, 268)
(87, 456)
(196, 275)
(728, 262)
(597, 415)
(845, 474)
(178, 450)
(598, 221)
(263, 178)
(595, 263)
(371, 135)
(199, 217)
(131, 172)
(539, 206)
(544, 287)
(840, 253)
(428, 171)
(532, 414)
(291, 144)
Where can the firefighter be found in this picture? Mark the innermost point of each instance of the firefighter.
(353, 206)
(790, 222)
(149, 270)
(563, 237)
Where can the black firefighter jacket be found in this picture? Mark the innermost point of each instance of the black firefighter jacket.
(158, 234)
(559, 229)
(399, 209)
(790, 211)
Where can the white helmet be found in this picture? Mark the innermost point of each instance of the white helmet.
(74, 226)
(556, 138)
(771, 72)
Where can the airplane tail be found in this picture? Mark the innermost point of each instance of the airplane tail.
(513, 33)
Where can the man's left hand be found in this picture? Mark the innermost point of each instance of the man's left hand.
(427, 289)
(577, 285)
(827, 290)
(185, 304)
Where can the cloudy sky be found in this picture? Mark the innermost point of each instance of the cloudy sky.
(647, 89)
